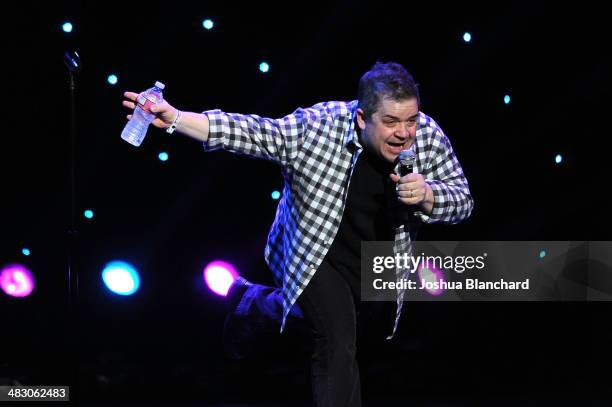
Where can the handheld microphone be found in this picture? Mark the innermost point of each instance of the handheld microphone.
(404, 166)
(406, 160)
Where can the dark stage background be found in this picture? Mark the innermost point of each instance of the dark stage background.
(169, 219)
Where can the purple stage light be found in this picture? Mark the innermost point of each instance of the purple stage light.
(16, 280)
(430, 274)
(219, 276)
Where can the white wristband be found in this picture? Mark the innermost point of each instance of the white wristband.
(175, 122)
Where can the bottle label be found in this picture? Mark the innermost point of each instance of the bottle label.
(145, 102)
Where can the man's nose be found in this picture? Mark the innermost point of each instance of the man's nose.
(402, 131)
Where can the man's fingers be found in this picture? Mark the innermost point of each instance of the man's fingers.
(408, 201)
(130, 95)
(409, 193)
(129, 117)
(406, 186)
(130, 105)
(406, 179)
(412, 177)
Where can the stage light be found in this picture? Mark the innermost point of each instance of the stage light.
(163, 156)
(25, 251)
(67, 27)
(208, 24)
(264, 67)
(275, 195)
(112, 79)
(467, 37)
(558, 159)
(542, 254)
(431, 275)
(507, 99)
(88, 214)
(121, 278)
(16, 280)
(219, 276)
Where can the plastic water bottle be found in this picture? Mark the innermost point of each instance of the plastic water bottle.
(136, 129)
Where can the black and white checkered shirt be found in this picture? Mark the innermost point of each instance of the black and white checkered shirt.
(317, 149)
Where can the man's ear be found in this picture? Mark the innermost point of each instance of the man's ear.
(361, 120)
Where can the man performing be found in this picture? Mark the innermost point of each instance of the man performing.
(337, 160)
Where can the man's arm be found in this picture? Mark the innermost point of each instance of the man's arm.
(194, 125)
(451, 198)
(440, 192)
(277, 140)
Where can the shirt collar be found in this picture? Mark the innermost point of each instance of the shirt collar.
(351, 136)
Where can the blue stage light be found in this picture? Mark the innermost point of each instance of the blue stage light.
(88, 214)
(163, 156)
(543, 254)
(112, 79)
(558, 158)
(275, 195)
(67, 27)
(467, 37)
(264, 67)
(208, 24)
(121, 278)
(25, 251)
(507, 99)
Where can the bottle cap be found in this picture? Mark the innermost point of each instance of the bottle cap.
(160, 85)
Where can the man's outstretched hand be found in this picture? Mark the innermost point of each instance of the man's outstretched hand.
(164, 112)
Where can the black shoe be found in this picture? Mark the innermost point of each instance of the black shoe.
(237, 329)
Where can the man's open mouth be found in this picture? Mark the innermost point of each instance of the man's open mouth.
(395, 144)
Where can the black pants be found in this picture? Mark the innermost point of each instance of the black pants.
(330, 305)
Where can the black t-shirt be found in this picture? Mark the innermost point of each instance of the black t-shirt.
(367, 217)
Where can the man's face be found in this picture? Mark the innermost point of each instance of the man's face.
(391, 129)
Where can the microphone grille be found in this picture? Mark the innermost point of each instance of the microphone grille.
(406, 157)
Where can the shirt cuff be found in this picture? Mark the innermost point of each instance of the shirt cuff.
(216, 119)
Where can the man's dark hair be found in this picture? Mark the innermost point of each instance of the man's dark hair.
(390, 80)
